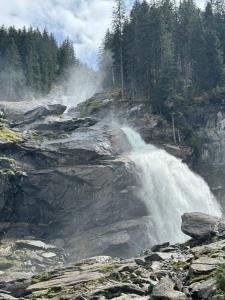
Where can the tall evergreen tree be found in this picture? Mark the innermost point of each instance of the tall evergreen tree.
(118, 21)
(31, 62)
(67, 59)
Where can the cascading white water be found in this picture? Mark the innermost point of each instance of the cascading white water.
(169, 189)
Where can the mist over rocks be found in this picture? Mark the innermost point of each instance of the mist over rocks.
(26, 112)
(75, 180)
(74, 185)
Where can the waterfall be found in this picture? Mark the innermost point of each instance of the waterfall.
(169, 189)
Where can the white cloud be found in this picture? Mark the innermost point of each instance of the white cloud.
(84, 21)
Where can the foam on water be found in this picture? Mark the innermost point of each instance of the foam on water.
(169, 189)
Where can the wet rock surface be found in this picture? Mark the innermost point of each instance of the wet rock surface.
(202, 226)
(63, 179)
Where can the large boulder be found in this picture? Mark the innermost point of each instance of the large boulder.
(72, 185)
(164, 290)
(201, 226)
(21, 259)
(26, 112)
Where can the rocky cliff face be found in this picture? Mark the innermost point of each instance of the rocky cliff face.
(65, 176)
(62, 179)
(209, 122)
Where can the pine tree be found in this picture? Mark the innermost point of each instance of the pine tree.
(214, 66)
(11, 76)
(67, 59)
(105, 62)
(118, 21)
(30, 61)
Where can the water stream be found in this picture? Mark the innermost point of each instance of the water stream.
(169, 189)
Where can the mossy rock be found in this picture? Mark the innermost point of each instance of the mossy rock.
(198, 278)
(108, 268)
(56, 291)
(180, 265)
(8, 166)
(40, 277)
(98, 101)
(219, 275)
(9, 136)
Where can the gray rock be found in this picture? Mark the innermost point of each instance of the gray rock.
(202, 226)
(204, 289)
(115, 289)
(62, 124)
(131, 297)
(164, 290)
(33, 244)
(209, 248)
(26, 112)
(6, 297)
(205, 264)
(159, 256)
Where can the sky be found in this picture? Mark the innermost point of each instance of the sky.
(83, 21)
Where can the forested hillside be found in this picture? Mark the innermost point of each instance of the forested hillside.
(166, 55)
(31, 62)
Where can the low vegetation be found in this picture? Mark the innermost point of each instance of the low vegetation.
(107, 268)
(219, 275)
(180, 265)
(40, 277)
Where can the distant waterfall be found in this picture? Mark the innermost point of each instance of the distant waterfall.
(169, 189)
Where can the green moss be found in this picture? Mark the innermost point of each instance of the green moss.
(219, 275)
(9, 136)
(34, 135)
(8, 172)
(108, 268)
(180, 265)
(19, 253)
(90, 106)
(197, 278)
(56, 291)
(97, 102)
(215, 238)
(9, 166)
(85, 286)
(34, 296)
(40, 277)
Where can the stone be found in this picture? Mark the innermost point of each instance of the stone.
(157, 248)
(202, 226)
(131, 297)
(33, 244)
(62, 125)
(209, 248)
(48, 254)
(66, 280)
(6, 297)
(205, 264)
(204, 289)
(164, 290)
(115, 289)
(159, 256)
(26, 112)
